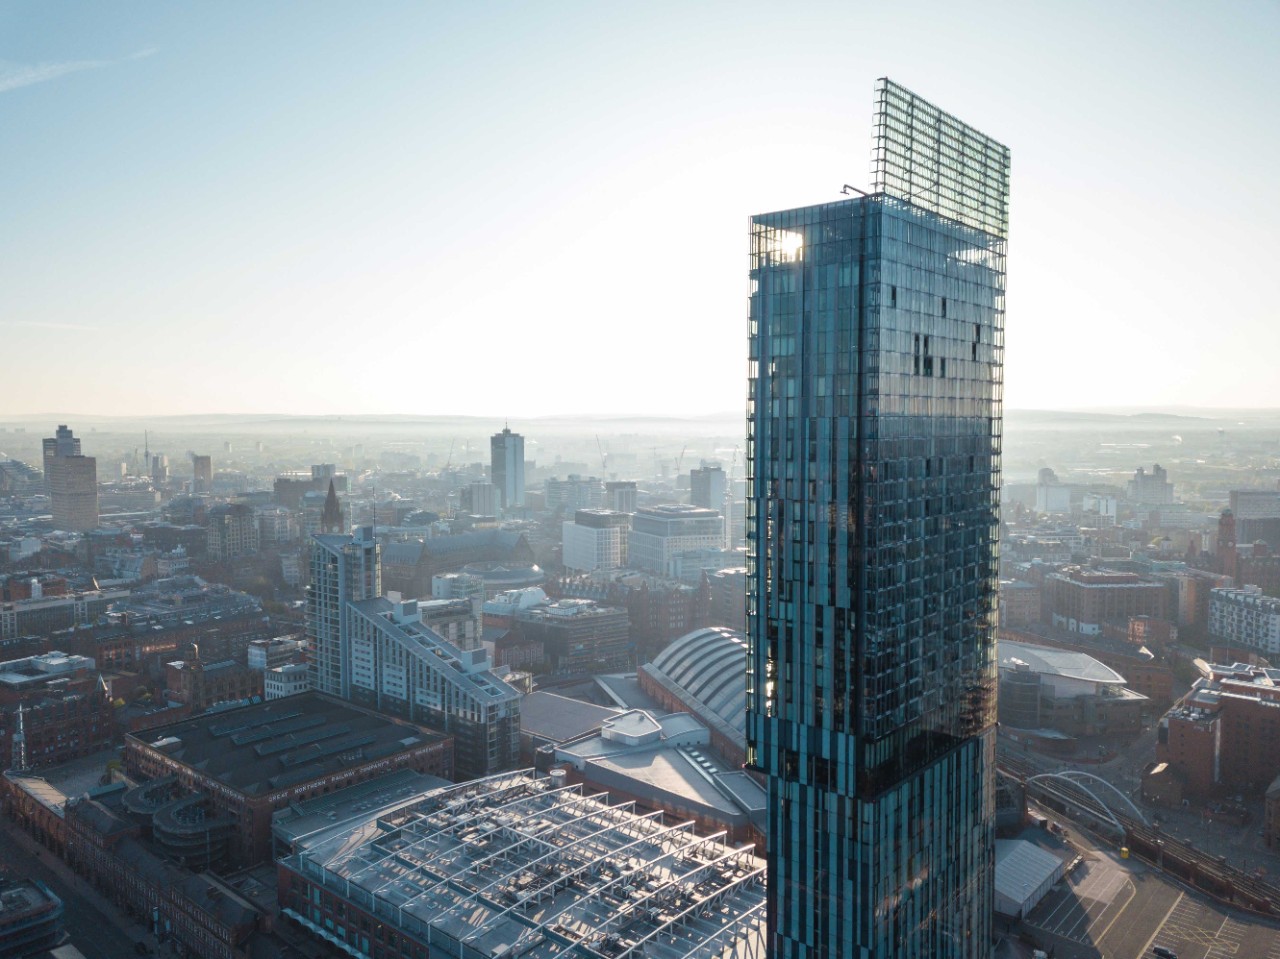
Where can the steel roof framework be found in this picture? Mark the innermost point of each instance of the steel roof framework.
(633, 885)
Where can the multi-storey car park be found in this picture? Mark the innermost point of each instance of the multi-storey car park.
(523, 865)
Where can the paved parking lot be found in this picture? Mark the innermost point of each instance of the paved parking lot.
(1108, 910)
(1196, 929)
(1084, 906)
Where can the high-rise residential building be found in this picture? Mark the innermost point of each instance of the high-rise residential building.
(401, 666)
(233, 532)
(202, 473)
(73, 482)
(1245, 618)
(873, 457)
(707, 486)
(506, 467)
(344, 569)
(376, 651)
(1151, 488)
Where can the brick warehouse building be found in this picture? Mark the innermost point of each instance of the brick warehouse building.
(1224, 736)
(66, 712)
(1082, 600)
(252, 761)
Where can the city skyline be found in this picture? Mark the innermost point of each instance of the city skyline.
(237, 186)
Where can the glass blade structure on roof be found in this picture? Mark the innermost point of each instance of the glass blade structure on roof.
(873, 454)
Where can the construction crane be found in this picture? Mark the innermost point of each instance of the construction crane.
(604, 458)
(449, 461)
(681, 458)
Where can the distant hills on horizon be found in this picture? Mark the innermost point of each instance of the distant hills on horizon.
(1132, 417)
(1181, 412)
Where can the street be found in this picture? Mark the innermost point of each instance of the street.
(97, 928)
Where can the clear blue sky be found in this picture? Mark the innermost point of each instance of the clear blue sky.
(524, 209)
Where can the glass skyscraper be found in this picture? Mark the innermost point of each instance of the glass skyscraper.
(874, 471)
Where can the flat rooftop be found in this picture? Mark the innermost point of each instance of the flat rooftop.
(516, 864)
(282, 742)
(23, 897)
(557, 718)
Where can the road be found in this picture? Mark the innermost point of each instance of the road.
(97, 928)
(1116, 909)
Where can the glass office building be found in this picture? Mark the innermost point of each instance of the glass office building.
(874, 470)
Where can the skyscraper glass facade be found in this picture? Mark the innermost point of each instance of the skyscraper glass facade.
(873, 468)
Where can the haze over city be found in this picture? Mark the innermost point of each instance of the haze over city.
(424, 533)
(284, 199)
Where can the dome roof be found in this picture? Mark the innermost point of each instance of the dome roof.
(709, 666)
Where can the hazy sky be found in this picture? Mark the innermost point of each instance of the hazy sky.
(523, 209)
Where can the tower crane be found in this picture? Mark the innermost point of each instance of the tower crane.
(604, 458)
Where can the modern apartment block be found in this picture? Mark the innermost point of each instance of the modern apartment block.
(1245, 618)
(376, 652)
(344, 569)
(506, 467)
(873, 469)
(402, 667)
(575, 492)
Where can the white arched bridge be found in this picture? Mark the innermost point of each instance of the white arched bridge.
(1089, 785)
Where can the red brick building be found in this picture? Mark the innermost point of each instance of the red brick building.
(1082, 600)
(1019, 602)
(205, 916)
(1225, 735)
(66, 711)
(200, 684)
(254, 760)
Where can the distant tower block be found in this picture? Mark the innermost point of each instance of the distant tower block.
(202, 467)
(506, 467)
(72, 481)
